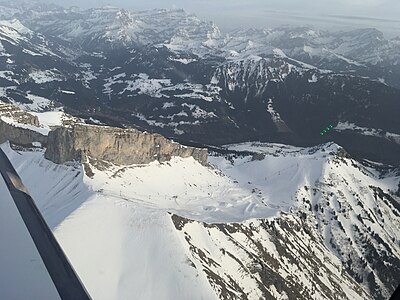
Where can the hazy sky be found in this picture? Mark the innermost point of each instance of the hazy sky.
(384, 14)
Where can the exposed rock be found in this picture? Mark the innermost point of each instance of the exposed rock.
(343, 153)
(258, 156)
(267, 258)
(121, 146)
(20, 116)
(20, 136)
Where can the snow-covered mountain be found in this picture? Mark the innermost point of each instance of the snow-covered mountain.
(363, 51)
(112, 27)
(167, 71)
(262, 221)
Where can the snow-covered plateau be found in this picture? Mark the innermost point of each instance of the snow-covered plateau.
(283, 222)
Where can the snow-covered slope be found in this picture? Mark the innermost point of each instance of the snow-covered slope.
(243, 228)
(29, 60)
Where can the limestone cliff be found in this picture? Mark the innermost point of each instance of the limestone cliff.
(120, 146)
(14, 130)
(20, 136)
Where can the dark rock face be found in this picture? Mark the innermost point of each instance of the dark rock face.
(121, 146)
(258, 156)
(60, 147)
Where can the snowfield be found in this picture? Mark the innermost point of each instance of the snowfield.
(118, 248)
(138, 230)
(45, 76)
(343, 126)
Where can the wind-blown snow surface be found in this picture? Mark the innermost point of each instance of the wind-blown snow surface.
(116, 226)
(117, 247)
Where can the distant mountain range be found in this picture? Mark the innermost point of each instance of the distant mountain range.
(169, 72)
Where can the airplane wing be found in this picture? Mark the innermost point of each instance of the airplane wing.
(32, 263)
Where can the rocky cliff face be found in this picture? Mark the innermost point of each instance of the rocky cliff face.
(121, 146)
(19, 136)
(14, 130)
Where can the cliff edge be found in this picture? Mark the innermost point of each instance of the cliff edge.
(116, 145)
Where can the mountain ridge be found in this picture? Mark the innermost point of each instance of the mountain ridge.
(220, 229)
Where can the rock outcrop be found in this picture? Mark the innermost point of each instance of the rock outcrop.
(16, 126)
(20, 136)
(20, 116)
(120, 146)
